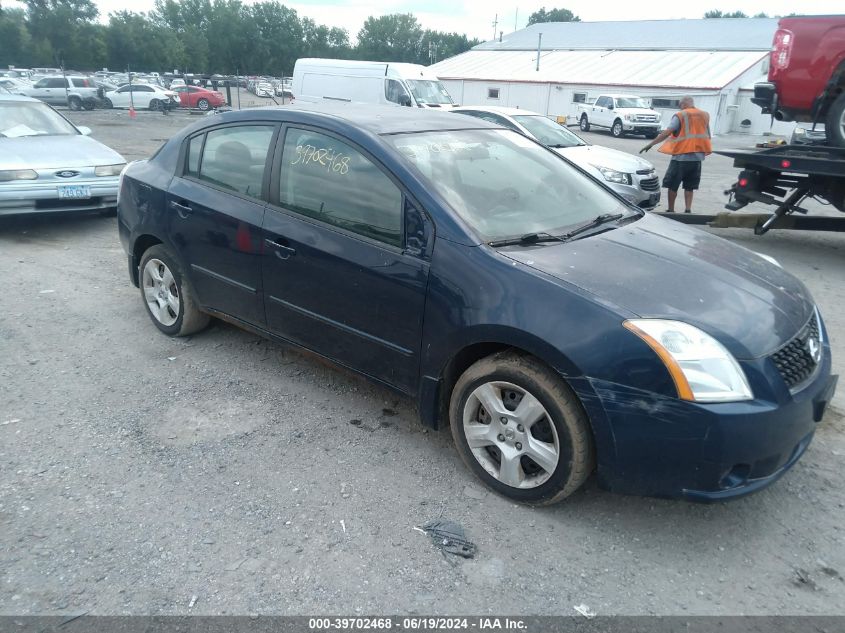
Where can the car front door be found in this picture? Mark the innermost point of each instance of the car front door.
(601, 116)
(340, 275)
(216, 206)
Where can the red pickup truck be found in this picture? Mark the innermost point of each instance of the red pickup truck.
(807, 74)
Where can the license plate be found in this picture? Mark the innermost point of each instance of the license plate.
(74, 192)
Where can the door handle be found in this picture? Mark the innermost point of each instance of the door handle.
(182, 209)
(280, 248)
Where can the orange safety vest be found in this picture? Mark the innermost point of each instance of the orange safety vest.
(694, 135)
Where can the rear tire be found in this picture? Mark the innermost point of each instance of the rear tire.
(155, 104)
(835, 122)
(74, 103)
(617, 130)
(167, 294)
(543, 452)
(584, 123)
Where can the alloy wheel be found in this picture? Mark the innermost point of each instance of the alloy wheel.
(510, 434)
(161, 292)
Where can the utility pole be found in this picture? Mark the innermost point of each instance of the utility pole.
(495, 26)
(539, 44)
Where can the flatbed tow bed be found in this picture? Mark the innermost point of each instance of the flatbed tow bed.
(781, 176)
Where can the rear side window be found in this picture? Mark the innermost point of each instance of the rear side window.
(194, 149)
(81, 83)
(234, 158)
(326, 179)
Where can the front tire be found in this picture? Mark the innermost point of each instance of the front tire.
(617, 129)
(107, 104)
(835, 122)
(203, 105)
(520, 428)
(168, 296)
(584, 124)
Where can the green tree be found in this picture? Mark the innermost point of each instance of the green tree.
(437, 45)
(278, 37)
(720, 14)
(134, 41)
(552, 15)
(395, 38)
(14, 35)
(62, 30)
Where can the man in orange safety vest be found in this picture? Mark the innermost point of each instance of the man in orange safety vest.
(687, 139)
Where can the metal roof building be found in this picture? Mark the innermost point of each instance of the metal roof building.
(714, 60)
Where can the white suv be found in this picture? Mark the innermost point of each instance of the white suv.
(76, 92)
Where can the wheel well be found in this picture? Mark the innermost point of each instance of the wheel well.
(143, 243)
(458, 364)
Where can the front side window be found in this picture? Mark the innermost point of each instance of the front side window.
(57, 82)
(394, 91)
(234, 158)
(328, 180)
(503, 184)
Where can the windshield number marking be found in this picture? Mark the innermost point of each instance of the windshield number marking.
(328, 158)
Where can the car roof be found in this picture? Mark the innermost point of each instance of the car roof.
(11, 97)
(499, 110)
(377, 119)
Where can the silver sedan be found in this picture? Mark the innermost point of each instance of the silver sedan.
(47, 164)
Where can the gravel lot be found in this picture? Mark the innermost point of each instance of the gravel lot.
(227, 474)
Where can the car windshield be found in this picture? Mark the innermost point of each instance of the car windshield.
(631, 102)
(24, 118)
(503, 184)
(548, 132)
(425, 91)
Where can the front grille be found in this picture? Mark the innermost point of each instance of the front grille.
(646, 118)
(650, 184)
(794, 360)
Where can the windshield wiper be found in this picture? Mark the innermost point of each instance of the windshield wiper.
(604, 218)
(527, 240)
(559, 145)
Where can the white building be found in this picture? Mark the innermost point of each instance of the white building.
(716, 61)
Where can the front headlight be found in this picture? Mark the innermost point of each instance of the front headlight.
(17, 174)
(109, 170)
(630, 117)
(611, 175)
(702, 369)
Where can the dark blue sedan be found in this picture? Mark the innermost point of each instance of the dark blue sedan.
(556, 329)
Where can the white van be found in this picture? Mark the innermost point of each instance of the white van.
(368, 82)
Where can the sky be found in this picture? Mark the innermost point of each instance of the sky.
(475, 17)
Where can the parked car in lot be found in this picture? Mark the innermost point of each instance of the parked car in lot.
(621, 114)
(631, 177)
(48, 165)
(264, 89)
(76, 92)
(558, 330)
(199, 98)
(140, 96)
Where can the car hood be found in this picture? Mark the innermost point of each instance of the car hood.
(657, 268)
(587, 155)
(48, 152)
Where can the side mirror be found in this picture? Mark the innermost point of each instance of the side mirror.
(610, 107)
(405, 100)
(85, 131)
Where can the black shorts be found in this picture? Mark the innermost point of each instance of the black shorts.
(686, 171)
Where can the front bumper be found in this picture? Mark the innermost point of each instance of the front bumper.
(644, 191)
(25, 197)
(640, 127)
(666, 447)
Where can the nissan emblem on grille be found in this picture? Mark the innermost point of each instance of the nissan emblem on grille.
(67, 173)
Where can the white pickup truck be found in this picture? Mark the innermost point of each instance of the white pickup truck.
(621, 114)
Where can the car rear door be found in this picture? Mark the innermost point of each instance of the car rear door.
(216, 206)
(341, 274)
